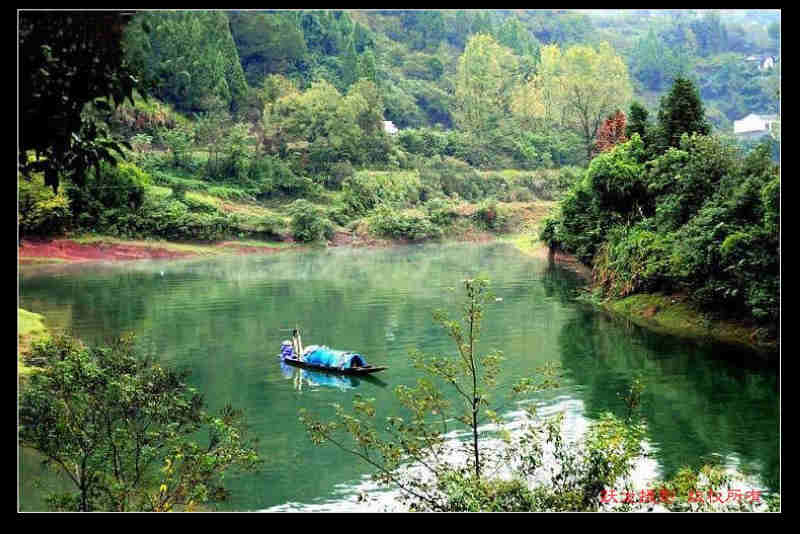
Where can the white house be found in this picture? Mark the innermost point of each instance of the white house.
(389, 127)
(754, 125)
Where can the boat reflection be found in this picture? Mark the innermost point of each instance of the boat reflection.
(323, 379)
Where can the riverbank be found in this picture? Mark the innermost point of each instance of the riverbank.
(674, 315)
(105, 248)
(669, 314)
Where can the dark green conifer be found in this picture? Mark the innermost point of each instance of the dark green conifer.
(681, 112)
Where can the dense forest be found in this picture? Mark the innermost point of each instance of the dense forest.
(209, 125)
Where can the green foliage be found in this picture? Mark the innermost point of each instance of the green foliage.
(366, 190)
(616, 179)
(441, 211)
(573, 475)
(112, 188)
(309, 223)
(632, 260)
(69, 59)
(491, 216)
(701, 218)
(267, 43)
(482, 84)
(321, 127)
(655, 63)
(465, 493)
(167, 219)
(179, 141)
(680, 112)
(190, 55)
(144, 117)
(39, 211)
(684, 179)
(402, 224)
(129, 433)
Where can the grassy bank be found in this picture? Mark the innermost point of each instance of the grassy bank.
(672, 314)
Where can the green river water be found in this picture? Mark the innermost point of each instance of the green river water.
(224, 318)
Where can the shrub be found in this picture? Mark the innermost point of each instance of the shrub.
(465, 493)
(490, 216)
(116, 187)
(179, 141)
(442, 211)
(406, 224)
(367, 189)
(308, 222)
(633, 259)
(338, 173)
(39, 211)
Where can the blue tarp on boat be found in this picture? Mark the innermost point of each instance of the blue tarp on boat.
(339, 359)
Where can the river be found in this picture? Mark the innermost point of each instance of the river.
(224, 319)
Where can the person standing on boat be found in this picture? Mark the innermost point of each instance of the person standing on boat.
(298, 344)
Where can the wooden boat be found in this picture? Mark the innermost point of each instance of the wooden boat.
(355, 371)
(322, 358)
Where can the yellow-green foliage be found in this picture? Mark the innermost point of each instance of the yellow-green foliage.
(30, 328)
(40, 211)
(367, 189)
(674, 316)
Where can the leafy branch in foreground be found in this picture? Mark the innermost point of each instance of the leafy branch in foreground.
(130, 434)
(443, 456)
(413, 452)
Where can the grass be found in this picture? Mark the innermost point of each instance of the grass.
(40, 261)
(674, 316)
(189, 248)
(30, 328)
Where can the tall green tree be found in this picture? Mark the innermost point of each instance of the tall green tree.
(350, 63)
(191, 54)
(267, 43)
(483, 83)
(681, 112)
(579, 88)
(637, 121)
(130, 434)
(68, 60)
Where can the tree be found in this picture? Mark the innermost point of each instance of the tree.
(483, 84)
(192, 56)
(578, 88)
(470, 374)
(129, 433)
(611, 133)
(266, 43)
(638, 121)
(680, 112)
(446, 483)
(654, 63)
(68, 60)
(350, 63)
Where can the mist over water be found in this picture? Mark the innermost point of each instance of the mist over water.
(224, 319)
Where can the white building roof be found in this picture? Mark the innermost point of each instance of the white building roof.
(389, 127)
(753, 123)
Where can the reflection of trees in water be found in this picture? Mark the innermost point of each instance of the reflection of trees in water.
(560, 282)
(697, 403)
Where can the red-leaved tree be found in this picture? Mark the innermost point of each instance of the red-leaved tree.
(610, 133)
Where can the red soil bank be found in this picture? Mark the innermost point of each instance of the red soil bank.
(65, 249)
